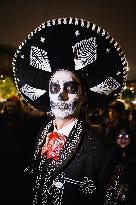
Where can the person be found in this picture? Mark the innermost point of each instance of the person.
(126, 141)
(66, 66)
(11, 147)
(133, 122)
(11, 126)
(33, 120)
(116, 120)
(18, 131)
(123, 138)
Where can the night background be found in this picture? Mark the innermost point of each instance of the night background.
(19, 18)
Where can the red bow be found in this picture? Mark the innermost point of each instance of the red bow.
(53, 145)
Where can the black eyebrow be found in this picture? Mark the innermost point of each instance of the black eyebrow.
(57, 83)
(72, 81)
(54, 83)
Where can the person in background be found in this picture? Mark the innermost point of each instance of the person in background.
(126, 141)
(133, 123)
(11, 148)
(33, 120)
(66, 66)
(115, 120)
(11, 127)
(18, 132)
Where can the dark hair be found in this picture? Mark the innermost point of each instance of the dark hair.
(118, 105)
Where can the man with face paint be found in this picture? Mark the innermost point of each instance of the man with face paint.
(71, 163)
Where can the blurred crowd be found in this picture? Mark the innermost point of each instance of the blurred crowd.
(20, 123)
(118, 125)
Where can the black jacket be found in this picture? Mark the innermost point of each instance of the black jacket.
(82, 173)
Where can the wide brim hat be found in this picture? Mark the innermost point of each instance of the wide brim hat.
(72, 44)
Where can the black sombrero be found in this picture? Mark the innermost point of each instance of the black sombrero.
(71, 44)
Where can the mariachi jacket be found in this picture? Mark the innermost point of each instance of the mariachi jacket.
(86, 170)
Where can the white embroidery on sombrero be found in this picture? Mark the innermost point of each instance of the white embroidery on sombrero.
(85, 53)
(64, 20)
(31, 92)
(118, 73)
(42, 39)
(108, 50)
(106, 87)
(39, 59)
(22, 56)
(77, 33)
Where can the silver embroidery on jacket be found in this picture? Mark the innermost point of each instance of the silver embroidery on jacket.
(55, 187)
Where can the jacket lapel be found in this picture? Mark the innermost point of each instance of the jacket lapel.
(51, 166)
(69, 149)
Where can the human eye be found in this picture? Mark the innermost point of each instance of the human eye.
(54, 88)
(72, 87)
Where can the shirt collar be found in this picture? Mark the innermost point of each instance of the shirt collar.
(66, 129)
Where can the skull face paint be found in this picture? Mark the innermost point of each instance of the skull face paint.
(65, 94)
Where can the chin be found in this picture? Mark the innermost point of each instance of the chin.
(62, 114)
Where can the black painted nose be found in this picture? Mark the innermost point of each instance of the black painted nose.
(63, 96)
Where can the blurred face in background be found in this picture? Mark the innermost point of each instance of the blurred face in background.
(113, 114)
(65, 94)
(123, 139)
(11, 107)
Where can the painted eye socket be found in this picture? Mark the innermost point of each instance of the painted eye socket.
(71, 87)
(123, 136)
(54, 88)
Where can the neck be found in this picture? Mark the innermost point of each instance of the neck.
(60, 123)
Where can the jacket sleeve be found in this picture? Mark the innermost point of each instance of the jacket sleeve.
(117, 190)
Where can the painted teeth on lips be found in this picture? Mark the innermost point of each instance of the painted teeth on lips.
(62, 106)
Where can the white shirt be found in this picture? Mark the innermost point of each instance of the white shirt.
(66, 129)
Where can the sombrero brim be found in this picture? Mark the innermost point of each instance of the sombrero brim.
(71, 44)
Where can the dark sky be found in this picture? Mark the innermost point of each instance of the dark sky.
(118, 17)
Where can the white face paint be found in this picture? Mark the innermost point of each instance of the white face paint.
(65, 94)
